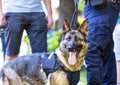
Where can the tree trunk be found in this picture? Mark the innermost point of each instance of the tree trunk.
(65, 10)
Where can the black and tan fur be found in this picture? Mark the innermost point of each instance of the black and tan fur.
(27, 70)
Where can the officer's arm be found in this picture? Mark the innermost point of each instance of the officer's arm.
(2, 18)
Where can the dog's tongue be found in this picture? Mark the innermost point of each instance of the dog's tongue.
(72, 58)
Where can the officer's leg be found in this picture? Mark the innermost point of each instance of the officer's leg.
(109, 64)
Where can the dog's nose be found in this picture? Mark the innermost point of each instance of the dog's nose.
(71, 47)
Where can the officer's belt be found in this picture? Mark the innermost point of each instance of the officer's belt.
(111, 1)
(114, 1)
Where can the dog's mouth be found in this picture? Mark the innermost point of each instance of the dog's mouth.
(73, 49)
(72, 58)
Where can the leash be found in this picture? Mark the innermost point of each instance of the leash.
(74, 23)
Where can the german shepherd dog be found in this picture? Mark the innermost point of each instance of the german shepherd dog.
(33, 70)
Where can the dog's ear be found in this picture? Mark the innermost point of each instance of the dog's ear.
(66, 27)
(84, 28)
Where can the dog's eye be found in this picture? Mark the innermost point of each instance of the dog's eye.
(68, 38)
(77, 39)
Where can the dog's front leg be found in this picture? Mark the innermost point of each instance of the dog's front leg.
(59, 77)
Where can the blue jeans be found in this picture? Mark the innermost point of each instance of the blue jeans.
(100, 58)
(35, 25)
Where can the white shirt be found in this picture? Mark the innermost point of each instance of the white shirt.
(22, 6)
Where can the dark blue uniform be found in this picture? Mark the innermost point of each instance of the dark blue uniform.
(100, 58)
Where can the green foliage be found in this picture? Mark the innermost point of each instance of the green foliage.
(53, 39)
(26, 39)
(81, 5)
(83, 80)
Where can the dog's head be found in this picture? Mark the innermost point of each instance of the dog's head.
(74, 42)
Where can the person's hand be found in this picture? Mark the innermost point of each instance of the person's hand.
(49, 22)
(2, 20)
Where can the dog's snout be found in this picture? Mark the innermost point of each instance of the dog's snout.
(71, 47)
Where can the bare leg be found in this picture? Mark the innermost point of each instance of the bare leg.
(9, 58)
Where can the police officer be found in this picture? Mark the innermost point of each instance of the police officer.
(102, 16)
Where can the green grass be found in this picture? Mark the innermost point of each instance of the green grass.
(83, 76)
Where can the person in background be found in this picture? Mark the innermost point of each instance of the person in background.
(116, 38)
(100, 58)
(20, 15)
